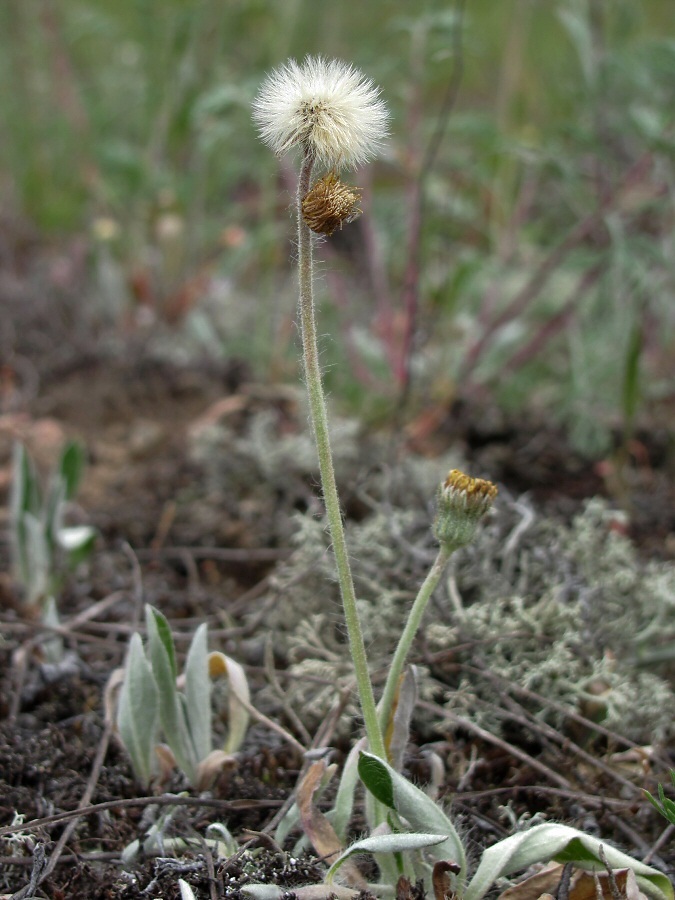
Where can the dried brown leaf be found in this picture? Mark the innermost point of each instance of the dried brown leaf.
(583, 885)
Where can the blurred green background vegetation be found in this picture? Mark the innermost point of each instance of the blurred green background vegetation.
(517, 237)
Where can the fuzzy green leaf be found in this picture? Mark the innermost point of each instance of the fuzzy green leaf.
(198, 694)
(171, 711)
(413, 805)
(137, 711)
(386, 843)
(25, 486)
(71, 467)
(341, 814)
(666, 807)
(375, 775)
(52, 514)
(161, 631)
(37, 559)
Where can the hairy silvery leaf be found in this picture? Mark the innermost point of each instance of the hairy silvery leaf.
(186, 892)
(76, 538)
(562, 844)
(130, 852)
(413, 805)
(224, 845)
(53, 646)
(387, 843)
(263, 891)
(171, 711)
(25, 486)
(52, 513)
(198, 694)
(36, 559)
(289, 821)
(137, 711)
(24, 499)
(398, 730)
(159, 633)
(238, 716)
(341, 813)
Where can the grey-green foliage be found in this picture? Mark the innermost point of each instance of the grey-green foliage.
(151, 701)
(43, 546)
(541, 843)
(576, 610)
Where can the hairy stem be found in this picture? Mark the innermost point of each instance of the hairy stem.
(319, 418)
(405, 641)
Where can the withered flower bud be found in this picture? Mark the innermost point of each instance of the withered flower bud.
(330, 203)
(462, 503)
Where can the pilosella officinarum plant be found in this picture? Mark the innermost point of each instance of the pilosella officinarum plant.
(334, 116)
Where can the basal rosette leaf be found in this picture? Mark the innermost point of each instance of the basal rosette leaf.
(137, 711)
(562, 844)
(420, 811)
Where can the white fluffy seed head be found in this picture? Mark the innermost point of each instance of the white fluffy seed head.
(327, 107)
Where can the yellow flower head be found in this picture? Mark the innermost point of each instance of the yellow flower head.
(462, 502)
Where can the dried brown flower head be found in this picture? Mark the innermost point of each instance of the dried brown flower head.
(330, 203)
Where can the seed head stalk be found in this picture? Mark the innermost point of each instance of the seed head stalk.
(319, 419)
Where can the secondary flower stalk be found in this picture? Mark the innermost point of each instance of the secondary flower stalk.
(462, 503)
